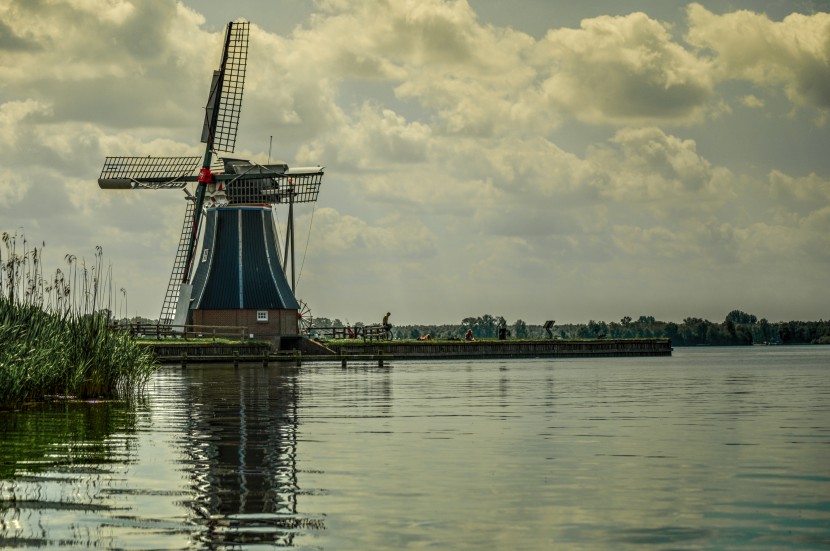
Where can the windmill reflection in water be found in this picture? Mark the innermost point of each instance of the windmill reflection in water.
(241, 449)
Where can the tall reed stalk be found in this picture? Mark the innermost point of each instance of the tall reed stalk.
(55, 335)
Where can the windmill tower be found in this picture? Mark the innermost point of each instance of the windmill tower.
(228, 269)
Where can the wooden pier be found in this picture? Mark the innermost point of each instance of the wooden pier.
(549, 348)
(385, 351)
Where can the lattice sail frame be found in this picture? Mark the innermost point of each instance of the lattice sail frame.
(245, 183)
(171, 296)
(225, 99)
(293, 186)
(147, 172)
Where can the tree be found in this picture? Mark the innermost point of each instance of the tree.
(785, 333)
(484, 327)
(321, 322)
(520, 329)
(743, 335)
(596, 329)
(694, 330)
(738, 316)
(729, 326)
(672, 331)
(764, 330)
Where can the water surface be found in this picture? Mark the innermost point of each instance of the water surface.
(710, 448)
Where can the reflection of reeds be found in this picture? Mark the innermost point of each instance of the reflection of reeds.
(56, 335)
(45, 436)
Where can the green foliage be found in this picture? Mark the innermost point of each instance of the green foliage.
(798, 332)
(737, 316)
(58, 344)
(520, 330)
(326, 322)
(483, 327)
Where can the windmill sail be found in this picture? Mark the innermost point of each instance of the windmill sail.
(225, 99)
(221, 115)
(147, 172)
(270, 184)
(171, 297)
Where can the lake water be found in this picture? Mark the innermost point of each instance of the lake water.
(712, 448)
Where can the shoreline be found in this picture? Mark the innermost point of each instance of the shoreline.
(312, 351)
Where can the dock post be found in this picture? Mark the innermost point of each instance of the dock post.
(380, 358)
(184, 359)
(265, 359)
(297, 361)
(236, 358)
(343, 362)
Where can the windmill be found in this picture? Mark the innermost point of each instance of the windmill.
(228, 268)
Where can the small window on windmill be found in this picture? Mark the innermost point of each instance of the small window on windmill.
(262, 315)
(205, 255)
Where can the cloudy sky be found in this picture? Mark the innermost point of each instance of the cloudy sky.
(538, 159)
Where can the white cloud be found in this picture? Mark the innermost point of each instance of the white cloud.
(804, 195)
(793, 53)
(662, 173)
(338, 235)
(751, 101)
(625, 70)
(13, 187)
(13, 115)
(801, 211)
(474, 78)
(372, 137)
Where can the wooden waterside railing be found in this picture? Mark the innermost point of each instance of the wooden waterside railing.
(162, 331)
(364, 332)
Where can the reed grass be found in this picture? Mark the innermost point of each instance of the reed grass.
(56, 339)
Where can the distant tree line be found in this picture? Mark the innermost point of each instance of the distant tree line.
(737, 329)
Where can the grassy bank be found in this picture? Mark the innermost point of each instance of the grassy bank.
(56, 343)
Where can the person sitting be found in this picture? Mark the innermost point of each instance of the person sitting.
(426, 337)
(387, 327)
(469, 335)
(350, 332)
